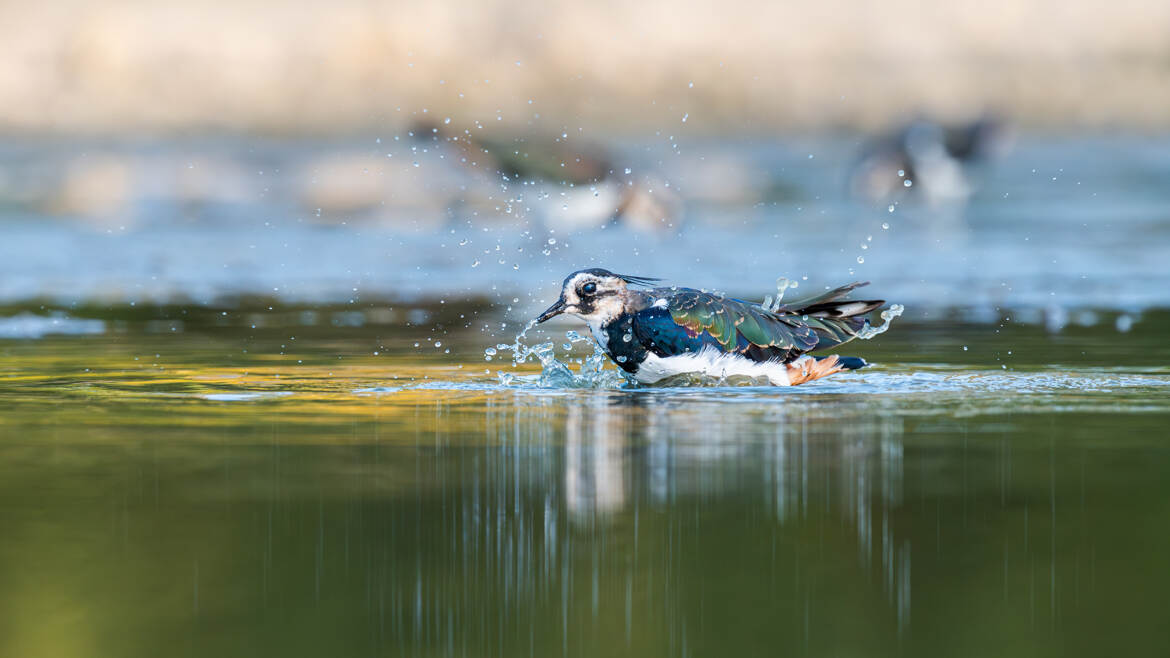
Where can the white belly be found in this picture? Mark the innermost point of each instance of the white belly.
(711, 363)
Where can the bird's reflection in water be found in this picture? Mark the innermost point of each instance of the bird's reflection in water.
(596, 443)
(613, 444)
(788, 461)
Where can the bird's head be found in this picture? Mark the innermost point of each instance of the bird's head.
(594, 295)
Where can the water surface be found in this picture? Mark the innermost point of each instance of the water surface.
(253, 481)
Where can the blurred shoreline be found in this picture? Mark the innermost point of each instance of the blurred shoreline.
(1065, 223)
(262, 67)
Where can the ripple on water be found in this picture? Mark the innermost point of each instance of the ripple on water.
(245, 396)
(928, 380)
(379, 390)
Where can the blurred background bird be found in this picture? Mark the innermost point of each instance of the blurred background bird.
(562, 182)
(928, 161)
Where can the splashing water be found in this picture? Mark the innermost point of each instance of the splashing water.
(555, 373)
(888, 315)
(782, 284)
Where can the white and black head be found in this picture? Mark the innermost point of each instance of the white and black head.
(594, 295)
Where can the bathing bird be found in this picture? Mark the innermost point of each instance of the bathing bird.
(655, 333)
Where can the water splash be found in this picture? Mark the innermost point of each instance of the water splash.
(555, 373)
(888, 315)
(782, 284)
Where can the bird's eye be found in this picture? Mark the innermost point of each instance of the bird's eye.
(589, 288)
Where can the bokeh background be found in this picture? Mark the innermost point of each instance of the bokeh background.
(208, 151)
(356, 68)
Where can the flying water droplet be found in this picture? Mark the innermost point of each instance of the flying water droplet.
(782, 284)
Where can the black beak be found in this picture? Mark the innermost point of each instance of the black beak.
(551, 312)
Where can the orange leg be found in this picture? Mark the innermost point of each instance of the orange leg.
(806, 370)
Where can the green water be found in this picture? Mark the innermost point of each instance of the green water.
(281, 490)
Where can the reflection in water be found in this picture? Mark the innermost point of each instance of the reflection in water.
(596, 442)
(579, 523)
(705, 452)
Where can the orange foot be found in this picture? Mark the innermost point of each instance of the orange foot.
(806, 369)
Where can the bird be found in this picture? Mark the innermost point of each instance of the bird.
(656, 333)
(928, 160)
(571, 185)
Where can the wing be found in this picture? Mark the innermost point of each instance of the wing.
(692, 320)
(834, 320)
(659, 333)
(810, 304)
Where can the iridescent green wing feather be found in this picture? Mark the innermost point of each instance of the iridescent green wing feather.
(736, 325)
